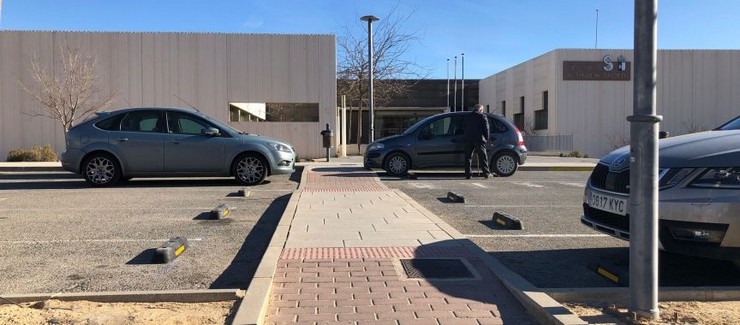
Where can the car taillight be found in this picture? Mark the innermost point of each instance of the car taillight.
(519, 137)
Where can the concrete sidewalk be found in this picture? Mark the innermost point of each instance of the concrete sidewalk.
(357, 252)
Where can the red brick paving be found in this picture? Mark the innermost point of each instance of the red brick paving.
(348, 291)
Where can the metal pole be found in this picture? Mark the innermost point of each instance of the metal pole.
(448, 84)
(462, 91)
(643, 207)
(596, 43)
(454, 104)
(343, 135)
(371, 105)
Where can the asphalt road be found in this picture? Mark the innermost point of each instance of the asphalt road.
(553, 250)
(59, 235)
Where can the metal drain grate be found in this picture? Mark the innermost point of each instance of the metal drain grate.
(436, 268)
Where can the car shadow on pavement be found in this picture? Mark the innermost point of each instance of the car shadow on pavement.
(238, 275)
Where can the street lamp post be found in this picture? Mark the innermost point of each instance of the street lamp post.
(371, 106)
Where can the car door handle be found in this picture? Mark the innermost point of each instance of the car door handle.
(123, 139)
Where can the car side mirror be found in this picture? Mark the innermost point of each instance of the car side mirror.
(213, 132)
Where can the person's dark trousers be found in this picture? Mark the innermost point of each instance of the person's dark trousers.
(480, 149)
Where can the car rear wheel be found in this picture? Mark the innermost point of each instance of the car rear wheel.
(397, 164)
(101, 170)
(250, 169)
(504, 164)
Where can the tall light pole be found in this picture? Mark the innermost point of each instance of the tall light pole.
(643, 200)
(371, 106)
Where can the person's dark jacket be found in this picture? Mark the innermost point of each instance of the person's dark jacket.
(476, 127)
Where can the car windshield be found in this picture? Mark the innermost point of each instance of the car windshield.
(733, 124)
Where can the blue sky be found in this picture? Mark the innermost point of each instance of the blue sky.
(493, 34)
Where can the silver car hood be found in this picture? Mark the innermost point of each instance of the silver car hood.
(703, 149)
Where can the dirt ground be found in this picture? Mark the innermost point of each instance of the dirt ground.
(674, 312)
(53, 312)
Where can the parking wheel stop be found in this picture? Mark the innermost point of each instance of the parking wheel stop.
(506, 221)
(455, 198)
(220, 211)
(170, 250)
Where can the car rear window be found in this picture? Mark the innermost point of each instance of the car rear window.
(496, 126)
(111, 123)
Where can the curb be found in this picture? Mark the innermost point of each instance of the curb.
(187, 296)
(252, 309)
(664, 294)
(31, 169)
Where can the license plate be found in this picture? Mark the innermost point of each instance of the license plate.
(607, 203)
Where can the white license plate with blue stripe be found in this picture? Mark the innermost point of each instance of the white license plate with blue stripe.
(608, 203)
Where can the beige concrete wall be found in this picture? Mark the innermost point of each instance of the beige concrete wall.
(153, 69)
(695, 91)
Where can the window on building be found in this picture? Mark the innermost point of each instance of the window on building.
(540, 116)
(273, 112)
(519, 117)
(503, 107)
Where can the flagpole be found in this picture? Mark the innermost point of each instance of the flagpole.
(462, 92)
(454, 104)
(448, 84)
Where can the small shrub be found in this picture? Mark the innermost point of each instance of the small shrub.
(36, 153)
(576, 154)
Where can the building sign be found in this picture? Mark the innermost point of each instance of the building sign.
(607, 69)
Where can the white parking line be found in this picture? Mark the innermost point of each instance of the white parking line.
(580, 185)
(479, 185)
(422, 185)
(529, 184)
(539, 236)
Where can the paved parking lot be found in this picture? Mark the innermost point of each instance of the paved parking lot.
(59, 235)
(553, 250)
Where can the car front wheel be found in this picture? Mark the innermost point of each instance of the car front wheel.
(504, 164)
(101, 170)
(397, 164)
(250, 169)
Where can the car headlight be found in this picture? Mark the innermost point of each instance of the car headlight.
(376, 146)
(671, 177)
(281, 147)
(723, 178)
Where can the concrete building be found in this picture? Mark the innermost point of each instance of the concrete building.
(282, 86)
(579, 99)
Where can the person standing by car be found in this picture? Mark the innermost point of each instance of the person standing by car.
(476, 135)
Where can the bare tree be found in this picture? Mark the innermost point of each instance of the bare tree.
(70, 94)
(391, 70)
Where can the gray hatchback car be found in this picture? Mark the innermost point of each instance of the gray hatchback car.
(170, 142)
(699, 194)
(437, 141)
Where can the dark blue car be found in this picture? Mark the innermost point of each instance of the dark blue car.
(437, 141)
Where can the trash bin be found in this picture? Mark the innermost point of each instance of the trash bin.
(327, 136)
